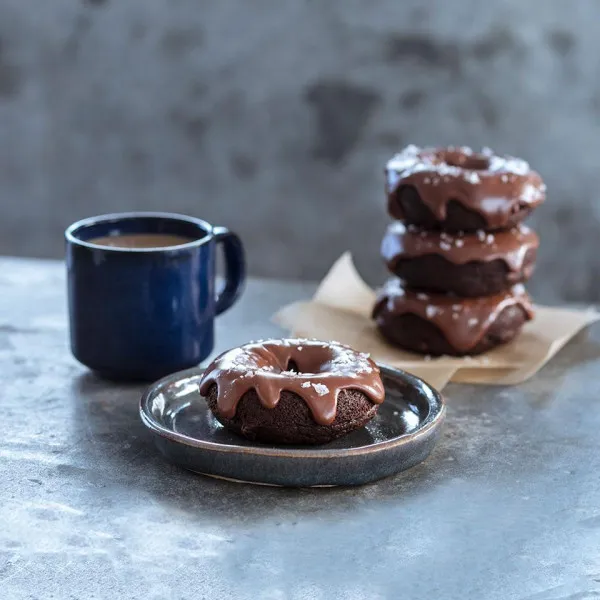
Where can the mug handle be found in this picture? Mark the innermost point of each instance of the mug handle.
(235, 268)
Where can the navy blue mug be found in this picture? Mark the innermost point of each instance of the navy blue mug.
(139, 313)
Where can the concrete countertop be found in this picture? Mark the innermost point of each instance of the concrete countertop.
(507, 506)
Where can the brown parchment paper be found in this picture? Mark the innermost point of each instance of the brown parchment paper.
(340, 310)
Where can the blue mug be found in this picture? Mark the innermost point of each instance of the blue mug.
(139, 313)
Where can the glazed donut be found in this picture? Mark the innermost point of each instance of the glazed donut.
(293, 391)
(439, 324)
(465, 264)
(457, 189)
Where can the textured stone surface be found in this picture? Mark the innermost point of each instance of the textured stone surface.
(507, 506)
(277, 119)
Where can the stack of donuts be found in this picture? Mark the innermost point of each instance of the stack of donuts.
(458, 250)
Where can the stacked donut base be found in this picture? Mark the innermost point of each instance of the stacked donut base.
(438, 324)
(459, 253)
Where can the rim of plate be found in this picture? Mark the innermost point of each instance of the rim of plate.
(437, 411)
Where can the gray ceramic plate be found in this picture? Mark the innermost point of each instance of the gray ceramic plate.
(401, 435)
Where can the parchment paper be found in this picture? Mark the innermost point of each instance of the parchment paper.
(340, 310)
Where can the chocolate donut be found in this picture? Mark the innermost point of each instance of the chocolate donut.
(472, 264)
(456, 189)
(293, 391)
(439, 324)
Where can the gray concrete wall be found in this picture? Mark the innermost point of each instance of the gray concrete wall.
(276, 117)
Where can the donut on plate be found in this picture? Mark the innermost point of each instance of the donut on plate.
(437, 324)
(293, 391)
(457, 189)
(465, 264)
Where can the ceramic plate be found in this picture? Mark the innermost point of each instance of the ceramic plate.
(402, 435)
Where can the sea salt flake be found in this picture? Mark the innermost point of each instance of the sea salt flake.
(490, 238)
(445, 246)
(472, 322)
(320, 388)
(422, 296)
(472, 177)
(481, 235)
(407, 160)
(459, 243)
(365, 354)
(300, 348)
(306, 384)
(398, 228)
(431, 311)
(427, 180)
(455, 316)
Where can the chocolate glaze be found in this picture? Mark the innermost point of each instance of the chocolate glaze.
(316, 371)
(463, 321)
(510, 246)
(493, 186)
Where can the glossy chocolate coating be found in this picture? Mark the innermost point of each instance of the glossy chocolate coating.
(316, 371)
(462, 321)
(511, 246)
(497, 188)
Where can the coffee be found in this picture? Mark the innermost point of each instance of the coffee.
(141, 240)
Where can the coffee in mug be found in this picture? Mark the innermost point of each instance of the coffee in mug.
(141, 240)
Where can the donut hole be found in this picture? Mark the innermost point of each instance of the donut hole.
(302, 367)
(292, 366)
(311, 358)
(473, 162)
